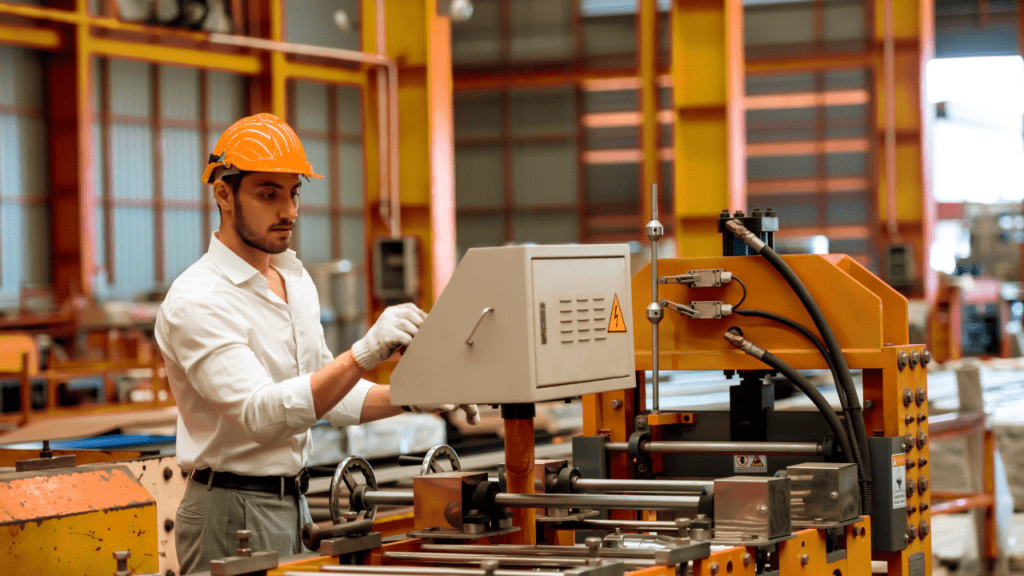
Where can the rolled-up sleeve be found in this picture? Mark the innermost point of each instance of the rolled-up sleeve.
(349, 410)
(213, 350)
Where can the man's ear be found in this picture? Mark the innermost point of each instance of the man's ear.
(222, 194)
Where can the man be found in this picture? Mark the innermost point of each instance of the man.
(247, 361)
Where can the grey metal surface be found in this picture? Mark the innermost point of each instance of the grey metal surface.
(589, 456)
(888, 518)
(823, 492)
(421, 571)
(239, 565)
(726, 448)
(916, 565)
(623, 525)
(752, 508)
(605, 501)
(350, 544)
(578, 284)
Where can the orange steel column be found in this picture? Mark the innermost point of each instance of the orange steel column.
(69, 139)
(519, 463)
(904, 41)
(707, 82)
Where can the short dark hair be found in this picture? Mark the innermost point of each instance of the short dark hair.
(234, 181)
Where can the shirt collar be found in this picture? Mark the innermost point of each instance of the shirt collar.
(238, 270)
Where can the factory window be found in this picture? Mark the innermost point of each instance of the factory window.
(24, 216)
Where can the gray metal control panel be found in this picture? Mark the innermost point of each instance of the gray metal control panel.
(523, 324)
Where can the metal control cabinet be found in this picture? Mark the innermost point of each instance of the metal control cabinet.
(523, 324)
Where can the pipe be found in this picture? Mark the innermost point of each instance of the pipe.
(599, 501)
(623, 525)
(389, 498)
(504, 560)
(312, 534)
(519, 461)
(596, 485)
(419, 571)
(655, 313)
(727, 448)
(539, 550)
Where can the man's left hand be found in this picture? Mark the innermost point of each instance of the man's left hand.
(472, 412)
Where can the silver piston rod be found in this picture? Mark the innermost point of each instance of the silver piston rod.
(725, 448)
(600, 485)
(507, 560)
(418, 571)
(598, 501)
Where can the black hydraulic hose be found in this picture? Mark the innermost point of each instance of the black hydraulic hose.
(821, 348)
(802, 383)
(860, 441)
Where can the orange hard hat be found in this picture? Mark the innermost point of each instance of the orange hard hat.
(260, 143)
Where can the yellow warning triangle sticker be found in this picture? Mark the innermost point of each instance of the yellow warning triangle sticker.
(616, 323)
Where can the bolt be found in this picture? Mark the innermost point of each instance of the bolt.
(908, 419)
(926, 357)
(489, 566)
(924, 506)
(902, 360)
(922, 461)
(805, 559)
(714, 568)
(868, 404)
(909, 439)
(168, 524)
(762, 509)
(922, 417)
(923, 530)
(243, 543)
(641, 421)
(915, 358)
(911, 509)
(910, 464)
(911, 533)
(908, 396)
(755, 213)
(616, 403)
(738, 214)
(921, 395)
(833, 495)
(922, 439)
(122, 557)
(911, 488)
(168, 473)
(922, 485)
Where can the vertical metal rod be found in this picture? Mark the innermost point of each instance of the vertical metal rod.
(654, 231)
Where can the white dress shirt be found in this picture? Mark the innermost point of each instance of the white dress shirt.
(239, 361)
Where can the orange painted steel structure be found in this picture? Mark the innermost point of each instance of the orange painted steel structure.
(870, 323)
(419, 39)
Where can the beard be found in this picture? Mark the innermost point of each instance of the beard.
(252, 238)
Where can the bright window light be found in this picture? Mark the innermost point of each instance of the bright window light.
(819, 245)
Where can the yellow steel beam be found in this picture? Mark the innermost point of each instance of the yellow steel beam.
(707, 77)
(30, 37)
(331, 74)
(903, 173)
(237, 63)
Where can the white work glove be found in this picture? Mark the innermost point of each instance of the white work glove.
(472, 412)
(395, 328)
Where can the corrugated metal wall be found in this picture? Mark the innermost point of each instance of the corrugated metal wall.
(24, 216)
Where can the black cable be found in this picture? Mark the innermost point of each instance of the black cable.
(744, 286)
(819, 401)
(859, 441)
(821, 348)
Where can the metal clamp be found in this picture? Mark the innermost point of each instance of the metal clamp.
(469, 340)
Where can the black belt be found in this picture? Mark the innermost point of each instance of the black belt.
(280, 485)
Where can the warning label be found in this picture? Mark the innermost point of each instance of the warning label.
(616, 323)
(899, 481)
(750, 464)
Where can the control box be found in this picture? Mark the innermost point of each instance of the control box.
(521, 324)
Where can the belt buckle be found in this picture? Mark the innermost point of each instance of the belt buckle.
(302, 482)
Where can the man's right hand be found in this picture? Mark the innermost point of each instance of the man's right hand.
(395, 328)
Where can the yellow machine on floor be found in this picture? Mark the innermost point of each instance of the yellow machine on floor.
(751, 490)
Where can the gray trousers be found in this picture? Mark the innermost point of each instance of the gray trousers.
(208, 519)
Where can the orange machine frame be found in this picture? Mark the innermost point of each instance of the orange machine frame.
(870, 323)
